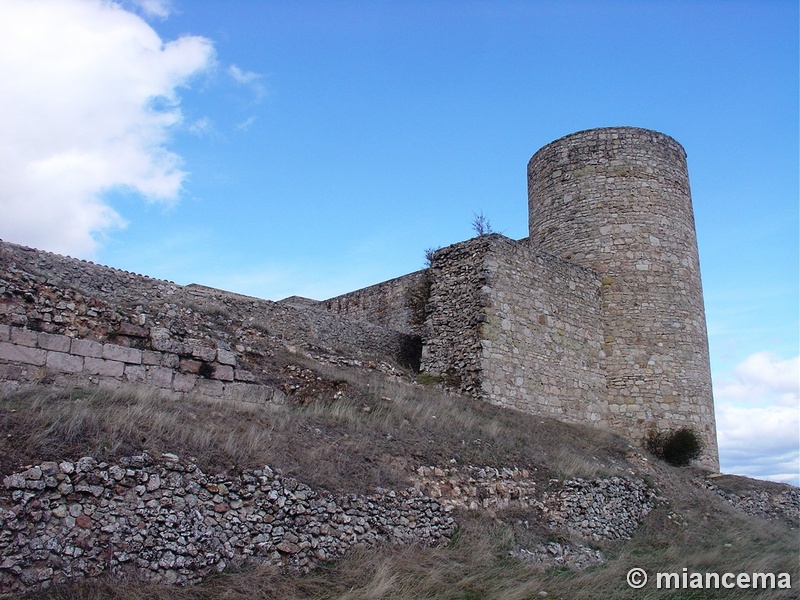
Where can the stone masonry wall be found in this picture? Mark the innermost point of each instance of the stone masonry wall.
(390, 304)
(77, 322)
(167, 521)
(518, 328)
(617, 200)
(28, 356)
(541, 344)
(456, 311)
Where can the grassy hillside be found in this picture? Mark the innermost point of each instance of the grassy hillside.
(350, 429)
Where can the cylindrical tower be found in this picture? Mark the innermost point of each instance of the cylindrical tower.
(617, 200)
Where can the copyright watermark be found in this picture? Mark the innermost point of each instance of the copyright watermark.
(637, 578)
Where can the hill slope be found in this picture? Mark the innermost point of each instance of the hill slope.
(550, 503)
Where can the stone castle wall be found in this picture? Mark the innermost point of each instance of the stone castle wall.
(540, 351)
(396, 304)
(596, 317)
(68, 321)
(542, 347)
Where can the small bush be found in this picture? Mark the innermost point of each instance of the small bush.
(481, 225)
(678, 448)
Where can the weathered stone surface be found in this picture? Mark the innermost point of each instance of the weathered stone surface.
(51, 341)
(209, 523)
(132, 330)
(223, 373)
(122, 354)
(135, 373)
(226, 357)
(100, 366)
(64, 363)
(86, 348)
(22, 354)
(24, 337)
(160, 376)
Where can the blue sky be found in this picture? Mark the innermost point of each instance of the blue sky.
(312, 148)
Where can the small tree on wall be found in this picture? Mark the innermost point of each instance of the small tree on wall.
(481, 225)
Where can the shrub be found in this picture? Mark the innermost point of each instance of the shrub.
(678, 448)
(481, 225)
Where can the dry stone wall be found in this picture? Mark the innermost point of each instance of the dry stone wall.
(163, 519)
(167, 521)
(609, 508)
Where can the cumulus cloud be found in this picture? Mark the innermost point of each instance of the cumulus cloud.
(763, 377)
(89, 94)
(758, 418)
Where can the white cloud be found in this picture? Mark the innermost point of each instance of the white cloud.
(88, 93)
(249, 79)
(154, 8)
(763, 377)
(246, 124)
(200, 127)
(758, 418)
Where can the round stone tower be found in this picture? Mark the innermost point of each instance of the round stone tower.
(617, 200)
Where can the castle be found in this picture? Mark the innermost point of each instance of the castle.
(597, 317)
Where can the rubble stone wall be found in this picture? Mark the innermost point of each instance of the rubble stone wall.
(167, 521)
(456, 312)
(72, 321)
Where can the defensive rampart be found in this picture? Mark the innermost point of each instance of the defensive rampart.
(67, 322)
(598, 315)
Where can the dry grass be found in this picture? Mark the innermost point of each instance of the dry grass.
(372, 434)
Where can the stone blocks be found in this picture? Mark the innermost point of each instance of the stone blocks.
(16, 353)
(122, 354)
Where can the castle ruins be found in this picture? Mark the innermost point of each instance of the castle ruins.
(596, 317)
